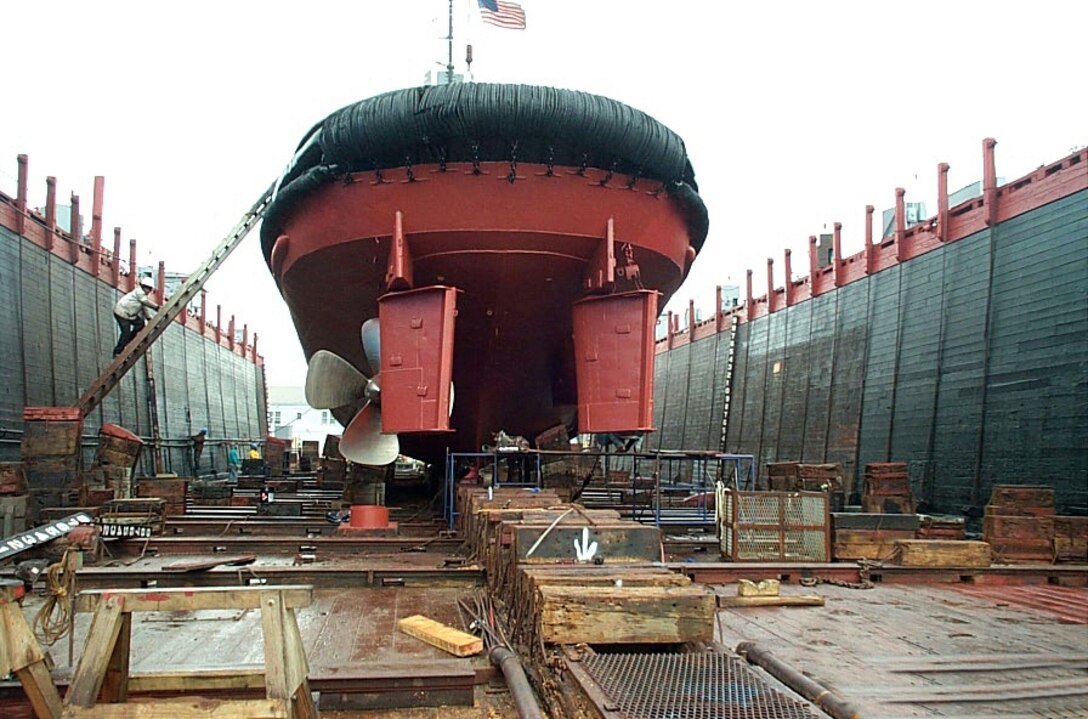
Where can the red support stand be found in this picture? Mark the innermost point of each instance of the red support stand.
(160, 285)
(230, 333)
(203, 310)
(869, 239)
(770, 285)
(989, 180)
(218, 324)
(942, 202)
(750, 305)
(787, 266)
(20, 194)
(900, 224)
(96, 225)
(813, 266)
(50, 211)
(719, 316)
(75, 231)
(131, 266)
(115, 264)
(836, 248)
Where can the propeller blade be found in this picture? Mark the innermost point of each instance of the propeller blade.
(363, 441)
(372, 344)
(332, 381)
(451, 399)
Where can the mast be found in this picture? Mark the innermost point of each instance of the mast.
(449, 38)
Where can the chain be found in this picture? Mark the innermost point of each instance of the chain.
(608, 175)
(476, 158)
(408, 168)
(513, 162)
(551, 162)
(634, 178)
(863, 574)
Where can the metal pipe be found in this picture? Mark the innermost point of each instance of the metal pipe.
(832, 704)
(522, 693)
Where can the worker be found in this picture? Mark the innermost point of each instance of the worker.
(234, 462)
(130, 311)
(254, 452)
(198, 448)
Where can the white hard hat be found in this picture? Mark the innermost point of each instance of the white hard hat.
(147, 282)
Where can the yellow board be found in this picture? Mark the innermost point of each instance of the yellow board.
(454, 641)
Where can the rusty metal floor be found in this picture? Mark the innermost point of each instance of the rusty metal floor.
(934, 651)
(343, 630)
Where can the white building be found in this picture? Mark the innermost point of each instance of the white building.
(291, 418)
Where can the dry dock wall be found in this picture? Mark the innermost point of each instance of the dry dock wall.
(969, 362)
(57, 334)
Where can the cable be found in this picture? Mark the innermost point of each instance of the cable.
(54, 620)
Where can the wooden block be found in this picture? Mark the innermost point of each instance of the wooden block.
(1008, 528)
(1023, 495)
(942, 553)
(764, 588)
(877, 551)
(454, 641)
(627, 615)
(797, 600)
(868, 536)
(887, 504)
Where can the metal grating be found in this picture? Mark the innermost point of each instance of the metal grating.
(690, 686)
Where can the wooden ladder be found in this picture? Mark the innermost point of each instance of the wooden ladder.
(100, 684)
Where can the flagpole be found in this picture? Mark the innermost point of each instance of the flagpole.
(449, 64)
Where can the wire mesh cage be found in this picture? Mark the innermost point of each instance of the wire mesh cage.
(773, 526)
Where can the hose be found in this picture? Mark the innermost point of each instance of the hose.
(832, 704)
(520, 691)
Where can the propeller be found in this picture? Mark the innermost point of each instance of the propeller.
(334, 383)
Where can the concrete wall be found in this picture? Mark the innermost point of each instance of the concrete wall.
(969, 362)
(57, 334)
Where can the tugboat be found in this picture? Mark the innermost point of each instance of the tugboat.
(465, 258)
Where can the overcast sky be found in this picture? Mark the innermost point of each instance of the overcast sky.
(795, 115)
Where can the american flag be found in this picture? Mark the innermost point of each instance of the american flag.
(509, 15)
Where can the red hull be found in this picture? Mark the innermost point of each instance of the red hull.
(519, 252)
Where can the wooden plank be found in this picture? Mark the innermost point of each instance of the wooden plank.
(942, 553)
(40, 690)
(210, 564)
(115, 685)
(189, 599)
(796, 600)
(272, 632)
(18, 647)
(197, 680)
(454, 641)
(190, 708)
(298, 669)
(628, 615)
(93, 661)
